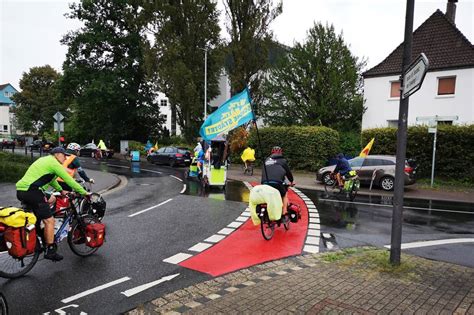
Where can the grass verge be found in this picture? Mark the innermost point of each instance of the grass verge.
(446, 184)
(373, 262)
(13, 166)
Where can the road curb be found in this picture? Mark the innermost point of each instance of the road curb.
(120, 184)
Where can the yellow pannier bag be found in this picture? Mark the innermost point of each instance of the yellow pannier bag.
(16, 217)
(265, 194)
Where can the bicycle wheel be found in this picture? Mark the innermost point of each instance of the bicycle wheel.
(76, 238)
(331, 188)
(11, 267)
(267, 227)
(354, 189)
(286, 222)
(3, 305)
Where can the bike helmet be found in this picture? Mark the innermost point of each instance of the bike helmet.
(277, 150)
(73, 146)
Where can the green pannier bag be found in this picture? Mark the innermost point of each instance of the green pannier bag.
(16, 217)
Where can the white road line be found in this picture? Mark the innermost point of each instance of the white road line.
(214, 238)
(314, 226)
(148, 209)
(242, 219)
(152, 171)
(176, 259)
(235, 224)
(176, 178)
(435, 242)
(99, 288)
(121, 166)
(312, 240)
(184, 189)
(226, 231)
(146, 286)
(245, 214)
(199, 247)
(313, 232)
(311, 249)
(391, 206)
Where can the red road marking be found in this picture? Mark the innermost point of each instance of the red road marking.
(246, 247)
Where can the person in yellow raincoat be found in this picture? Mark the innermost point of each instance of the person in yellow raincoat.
(248, 156)
(269, 195)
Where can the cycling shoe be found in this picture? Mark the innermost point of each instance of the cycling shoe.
(51, 253)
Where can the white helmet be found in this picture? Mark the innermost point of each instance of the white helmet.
(73, 146)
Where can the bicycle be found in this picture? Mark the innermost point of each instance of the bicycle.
(73, 227)
(350, 188)
(248, 169)
(267, 226)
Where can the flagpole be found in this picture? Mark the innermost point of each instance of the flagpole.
(258, 135)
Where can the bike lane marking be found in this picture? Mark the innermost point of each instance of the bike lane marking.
(435, 242)
(244, 247)
(93, 290)
(150, 208)
(175, 177)
(146, 286)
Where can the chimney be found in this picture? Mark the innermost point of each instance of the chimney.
(451, 10)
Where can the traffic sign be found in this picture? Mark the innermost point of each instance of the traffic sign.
(61, 126)
(414, 76)
(58, 117)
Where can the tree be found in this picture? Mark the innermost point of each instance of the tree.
(182, 30)
(250, 38)
(317, 83)
(36, 103)
(106, 80)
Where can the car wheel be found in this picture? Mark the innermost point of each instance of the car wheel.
(387, 183)
(326, 179)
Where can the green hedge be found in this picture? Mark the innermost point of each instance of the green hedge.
(306, 148)
(13, 166)
(454, 149)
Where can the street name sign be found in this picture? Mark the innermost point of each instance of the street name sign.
(414, 76)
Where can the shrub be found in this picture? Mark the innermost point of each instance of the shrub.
(305, 148)
(13, 166)
(349, 143)
(454, 149)
(136, 146)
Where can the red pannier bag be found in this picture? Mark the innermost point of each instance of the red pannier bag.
(20, 241)
(61, 204)
(95, 234)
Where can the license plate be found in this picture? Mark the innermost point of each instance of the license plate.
(187, 160)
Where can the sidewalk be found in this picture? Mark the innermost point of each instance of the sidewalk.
(331, 283)
(308, 181)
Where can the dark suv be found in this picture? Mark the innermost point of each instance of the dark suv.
(171, 155)
(380, 166)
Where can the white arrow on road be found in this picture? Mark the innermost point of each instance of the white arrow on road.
(146, 286)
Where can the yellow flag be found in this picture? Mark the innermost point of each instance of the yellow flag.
(367, 148)
(156, 146)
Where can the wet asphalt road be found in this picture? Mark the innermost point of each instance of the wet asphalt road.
(136, 246)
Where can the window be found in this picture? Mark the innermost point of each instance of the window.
(446, 86)
(161, 150)
(163, 103)
(5, 128)
(169, 150)
(392, 123)
(373, 162)
(395, 89)
(165, 117)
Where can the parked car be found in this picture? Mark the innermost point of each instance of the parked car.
(45, 145)
(383, 165)
(90, 149)
(7, 143)
(171, 155)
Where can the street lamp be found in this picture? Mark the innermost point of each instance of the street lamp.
(205, 81)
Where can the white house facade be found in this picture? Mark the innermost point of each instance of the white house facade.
(448, 88)
(382, 107)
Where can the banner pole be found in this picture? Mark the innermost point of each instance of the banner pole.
(258, 135)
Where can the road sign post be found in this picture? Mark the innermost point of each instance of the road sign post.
(433, 128)
(58, 125)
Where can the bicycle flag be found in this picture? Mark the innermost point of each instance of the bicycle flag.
(367, 148)
(235, 112)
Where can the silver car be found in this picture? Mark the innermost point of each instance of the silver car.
(382, 167)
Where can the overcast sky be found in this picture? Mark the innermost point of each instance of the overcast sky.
(30, 30)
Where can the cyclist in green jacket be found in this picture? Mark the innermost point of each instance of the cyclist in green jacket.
(30, 190)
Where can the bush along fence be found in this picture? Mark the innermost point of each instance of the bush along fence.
(454, 149)
(307, 148)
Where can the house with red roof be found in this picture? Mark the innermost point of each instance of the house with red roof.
(448, 88)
